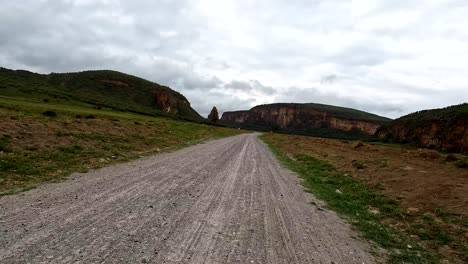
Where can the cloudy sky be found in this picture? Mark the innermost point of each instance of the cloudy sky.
(390, 57)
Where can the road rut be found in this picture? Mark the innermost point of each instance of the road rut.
(225, 201)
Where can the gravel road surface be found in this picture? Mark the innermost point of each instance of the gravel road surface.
(225, 201)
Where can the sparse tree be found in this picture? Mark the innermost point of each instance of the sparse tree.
(213, 116)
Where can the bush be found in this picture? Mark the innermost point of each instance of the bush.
(358, 164)
(461, 164)
(4, 140)
(49, 113)
(451, 158)
(90, 117)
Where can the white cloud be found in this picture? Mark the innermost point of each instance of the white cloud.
(388, 57)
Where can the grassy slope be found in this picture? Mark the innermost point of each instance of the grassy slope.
(88, 87)
(424, 118)
(356, 202)
(36, 148)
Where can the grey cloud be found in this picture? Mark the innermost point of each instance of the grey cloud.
(239, 85)
(236, 54)
(222, 101)
(329, 79)
(249, 86)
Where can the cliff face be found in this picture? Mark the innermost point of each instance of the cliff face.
(300, 117)
(167, 102)
(445, 129)
(448, 136)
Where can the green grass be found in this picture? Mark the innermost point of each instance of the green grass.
(97, 88)
(424, 118)
(4, 142)
(38, 148)
(358, 203)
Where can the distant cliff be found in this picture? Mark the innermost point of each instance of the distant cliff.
(305, 119)
(445, 129)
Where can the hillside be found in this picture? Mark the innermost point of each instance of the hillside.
(308, 119)
(110, 89)
(445, 129)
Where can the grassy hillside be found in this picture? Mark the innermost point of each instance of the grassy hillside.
(46, 141)
(443, 129)
(110, 89)
(424, 118)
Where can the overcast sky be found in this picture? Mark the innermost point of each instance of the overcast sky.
(389, 57)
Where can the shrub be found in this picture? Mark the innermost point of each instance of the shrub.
(429, 154)
(74, 149)
(4, 140)
(358, 164)
(461, 164)
(49, 113)
(90, 117)
(451, 158)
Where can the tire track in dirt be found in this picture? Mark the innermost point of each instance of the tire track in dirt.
(225, 201)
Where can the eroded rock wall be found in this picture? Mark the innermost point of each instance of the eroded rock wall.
(295, 116)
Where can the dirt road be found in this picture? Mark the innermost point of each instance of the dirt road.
(225, 201)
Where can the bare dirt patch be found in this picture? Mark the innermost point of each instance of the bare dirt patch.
(421, 179)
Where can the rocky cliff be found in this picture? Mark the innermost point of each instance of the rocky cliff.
(445, 129)
(167, 102)
(306, 117)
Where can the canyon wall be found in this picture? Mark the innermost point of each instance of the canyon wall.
(300, 117)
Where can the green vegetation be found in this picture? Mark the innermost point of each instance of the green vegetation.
(4, 143)
(424, 118)
(47, 148)
(100, 89)
(461, 164)
(442, 124)
(373, 214)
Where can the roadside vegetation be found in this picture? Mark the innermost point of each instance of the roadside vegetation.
(47, 141)
(407, 235)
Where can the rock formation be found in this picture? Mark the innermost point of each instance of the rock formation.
(299, 117)
(445, 129)
(213, 116)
